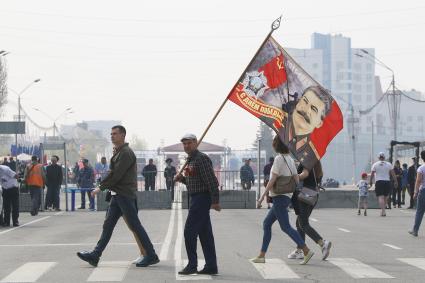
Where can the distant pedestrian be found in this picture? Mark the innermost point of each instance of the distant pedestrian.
(419, 196)
(404, 183)
(381, 173)
(247, 175)
(10, 194)
(266, 172)
(86, 184)
(75, 171)
(283, 165)
(12, 164)
(363, 187)
(54, 176)
(149, 173)
(35, 178)
(311, 179)
(202, 187)
(102, 169)
(169, 174)
(398, 172)
(411, 176)
(5, 162)
(122, 184)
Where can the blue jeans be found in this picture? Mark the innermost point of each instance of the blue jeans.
(279, 212)
(198, 223)
(420, 210)
(125, 207)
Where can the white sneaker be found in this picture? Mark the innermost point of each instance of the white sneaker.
(140, 258)
(326, 249)
(307, 258)
(259, 260)
(296, 254)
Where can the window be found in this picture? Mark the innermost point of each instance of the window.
(357, 88)
(369, 67)
(369, 77)
(339, 76)
(357, 77)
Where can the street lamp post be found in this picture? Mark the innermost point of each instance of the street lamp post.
(68, 110)
(19, 105)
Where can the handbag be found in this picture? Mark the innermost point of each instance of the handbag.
(309, 196)
(284, 184)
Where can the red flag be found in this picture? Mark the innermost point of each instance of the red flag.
(278, 91)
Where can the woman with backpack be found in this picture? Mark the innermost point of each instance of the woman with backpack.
(283, 180)
(304, 201)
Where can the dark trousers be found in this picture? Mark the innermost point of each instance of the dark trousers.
(303, 225)
(198, 223)
(52, 197)
(125, 207)
(170, 187)
(246, 185)
(83, 198)
(11, 204)
(35, 193)
(150, 184)
(396, 196)
(411, 190)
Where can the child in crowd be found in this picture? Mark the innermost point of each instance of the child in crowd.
(363, 193)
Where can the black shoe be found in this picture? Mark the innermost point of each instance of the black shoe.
(188, 271)
(32, 213)
(90, 257)
(81, 207)
(58, 209)
(148, 260)
(16, 224)
(208, 271)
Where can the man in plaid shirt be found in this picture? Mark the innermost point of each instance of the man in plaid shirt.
(202, 186)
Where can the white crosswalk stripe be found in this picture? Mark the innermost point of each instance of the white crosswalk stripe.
(357, 269)
(29, 272)
(417, 262)
(109, 271)
(275, 268)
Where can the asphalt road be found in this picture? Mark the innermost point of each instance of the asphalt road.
(366, 249)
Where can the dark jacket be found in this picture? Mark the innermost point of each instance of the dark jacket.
(170, 172)
(86, 178)
(122, 177)
(54, 175)
(411, 174)
(149, 172)
(247, 175)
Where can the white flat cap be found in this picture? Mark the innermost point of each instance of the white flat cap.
(188, 137)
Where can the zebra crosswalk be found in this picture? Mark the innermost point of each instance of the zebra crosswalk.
(274, 268)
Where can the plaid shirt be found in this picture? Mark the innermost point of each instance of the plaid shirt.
(199, 176)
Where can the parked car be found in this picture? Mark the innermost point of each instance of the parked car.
(330, 183)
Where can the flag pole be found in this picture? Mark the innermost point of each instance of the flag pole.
(275, 25)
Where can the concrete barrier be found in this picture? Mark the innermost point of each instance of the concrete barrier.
(344, 198)
(145, 200)
(231, 199)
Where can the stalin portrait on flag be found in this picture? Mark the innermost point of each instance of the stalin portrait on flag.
(278, 91)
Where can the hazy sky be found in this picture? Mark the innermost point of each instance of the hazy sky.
(164, 67)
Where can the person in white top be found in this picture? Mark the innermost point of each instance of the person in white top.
(9, 184)
(419, 196)
(381, 172)
(283, 165)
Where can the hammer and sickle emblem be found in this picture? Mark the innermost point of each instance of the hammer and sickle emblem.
(279, 63)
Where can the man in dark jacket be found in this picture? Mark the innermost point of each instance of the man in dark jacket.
(54, 176)
(122, 183)
(411, 177)
(149, 172)
(86, 184)
(247, 175)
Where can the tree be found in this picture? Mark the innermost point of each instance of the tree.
(137, 143)
(3, 84)
(266, 134)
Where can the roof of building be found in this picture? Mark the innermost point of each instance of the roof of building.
(204, 147)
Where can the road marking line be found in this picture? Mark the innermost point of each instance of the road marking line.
(29, 272)
(275, 268)
(109, 271)
(167, 241)
(26, 224)
(416, 262)
(344, 230)
(314, 219)
(65, 245)
(392, 246)
(357, 269)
